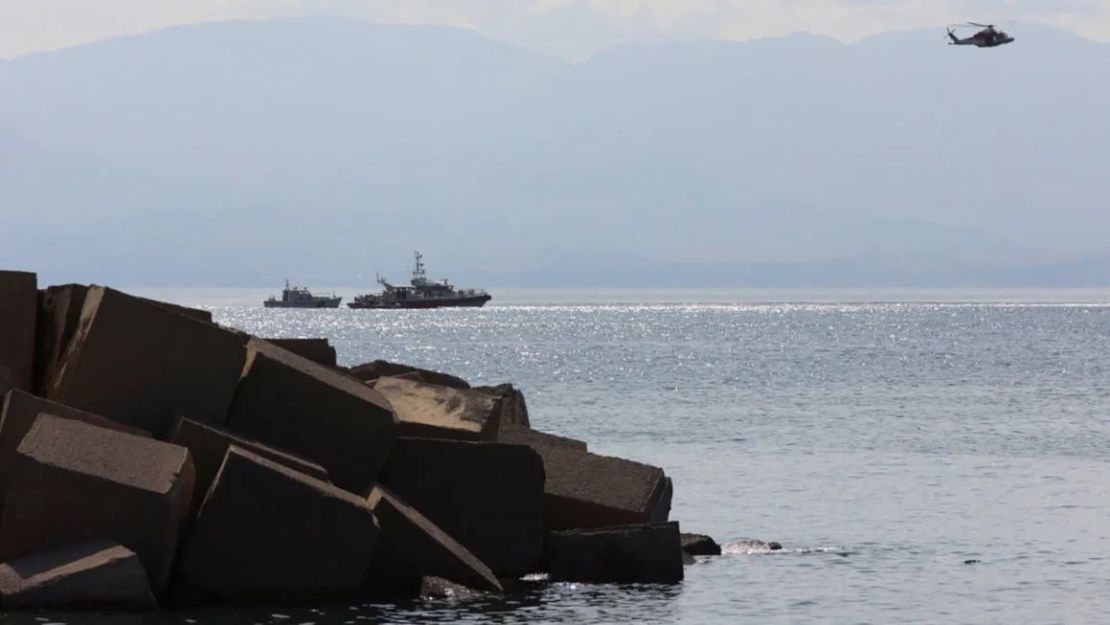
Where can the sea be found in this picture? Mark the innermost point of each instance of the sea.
(923, 456)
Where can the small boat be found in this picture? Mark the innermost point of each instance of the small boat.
(421, 293)
(300, 297)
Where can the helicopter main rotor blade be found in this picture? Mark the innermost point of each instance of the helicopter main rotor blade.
(981, 25)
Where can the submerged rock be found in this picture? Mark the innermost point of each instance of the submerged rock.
(700, 545)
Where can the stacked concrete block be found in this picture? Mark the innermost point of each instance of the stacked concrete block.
(436, 411)
(488, 496)
(145, 365)
(18, 312)
(645, 553)
(514, 410)
(209, 446)
(319, 351)
(268, 533)
(18, 411)
(583, 490)
(92, 574)
(412, 547)
(74, 481)
(294, 404)
(370, 371)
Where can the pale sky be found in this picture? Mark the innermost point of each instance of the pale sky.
(569, 28)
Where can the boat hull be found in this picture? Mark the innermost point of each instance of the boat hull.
(476, 301)
(324, 303)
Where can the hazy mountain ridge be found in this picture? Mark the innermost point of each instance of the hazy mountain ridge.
(241, 152)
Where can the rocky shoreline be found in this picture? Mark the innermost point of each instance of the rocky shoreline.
(150, 458)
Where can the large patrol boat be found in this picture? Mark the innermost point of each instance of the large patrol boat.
(420, 293)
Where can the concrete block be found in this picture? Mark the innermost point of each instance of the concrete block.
(645, 553)
(585, 490)
(514, 411)
(18, 313)
(268, 533)
(144, 365)
(540, 441)
(18, 411)
(435, 411)
(413, 547)
(208, 446)
(302, 407)
(370, 371)
(488, 496)
(92, 574)
(75, 481)
(59, 313)
(317, 350)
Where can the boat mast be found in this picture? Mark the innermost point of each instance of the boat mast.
(418, 276)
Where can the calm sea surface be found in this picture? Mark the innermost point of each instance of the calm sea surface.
(923, 456)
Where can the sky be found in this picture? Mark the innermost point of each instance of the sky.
(572, 29)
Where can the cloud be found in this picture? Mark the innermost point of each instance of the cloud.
(569, 28)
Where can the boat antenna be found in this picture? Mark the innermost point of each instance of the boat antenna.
(418, 269)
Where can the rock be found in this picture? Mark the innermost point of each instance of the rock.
(644, 553)
(297, 405)
(74, 481)
(18, 313)
(368, 372)
(585, 490)
(18, 412)
(488, 496)
(317, 350)
(700, 545)
(513, 409)
(437, 588)
(92, 574)
(209, 446)
(523, 435)
(435, 411)
(144, 365)
(268, 533)
(413, 547)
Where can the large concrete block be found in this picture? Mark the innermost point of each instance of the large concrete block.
(18, 312)
(370, 371)
(317, 350)
(18, 412)
(514, 410)
(646, 553)
(142, 364)
(75, 481)
(413, 547)
(488, 496)
(266, 532)
(302, 407)
(435, 411)
(589, 490)
(208, 446)
(540, 441)
(59, 313)
(92, 574)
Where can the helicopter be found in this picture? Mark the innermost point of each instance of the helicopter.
(989, 37)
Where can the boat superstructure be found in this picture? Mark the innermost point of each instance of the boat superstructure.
(300, 297)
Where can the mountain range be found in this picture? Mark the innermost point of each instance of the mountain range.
(325, 150)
